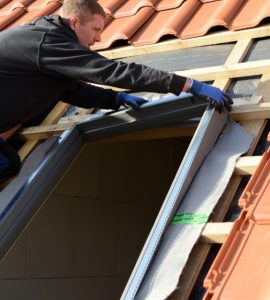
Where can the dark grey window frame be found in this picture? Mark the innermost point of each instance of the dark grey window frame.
(22, 198)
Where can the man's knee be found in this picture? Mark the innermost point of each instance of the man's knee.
(10, 162)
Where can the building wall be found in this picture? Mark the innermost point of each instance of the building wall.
(83, 243)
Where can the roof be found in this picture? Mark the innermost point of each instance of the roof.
(138, 22)
(239, 254)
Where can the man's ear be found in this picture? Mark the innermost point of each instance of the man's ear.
(73, 21)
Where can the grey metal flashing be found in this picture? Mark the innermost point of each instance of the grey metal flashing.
(20, 200)
(26, 194)
(203, 140)
(167, 111)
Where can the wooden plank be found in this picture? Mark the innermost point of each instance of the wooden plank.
(73, 119)
(237, 55)
(247, 165)
(216, 233)
(251, 112)
(263, 87)
(56, 113)
(235, 70)
(239, 113)
(43, 132)
(52, 117)
(176, 44)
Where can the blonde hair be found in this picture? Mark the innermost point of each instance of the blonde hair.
(81, 9)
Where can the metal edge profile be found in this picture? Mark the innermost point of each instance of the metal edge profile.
(170, 110)
(203, 140)
(25, 195)
(33, 191)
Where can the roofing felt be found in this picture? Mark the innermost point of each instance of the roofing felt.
(145, 22)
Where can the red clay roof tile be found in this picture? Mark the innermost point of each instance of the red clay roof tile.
(239, 271)
(173, 21)
(211, 14)
(7, 19)
(37, 9)
(142, 22)
(168, 4)
(251, 14)
(12, 5)
(3, 3)
(123, 28)
(131, 7)
(110, 6)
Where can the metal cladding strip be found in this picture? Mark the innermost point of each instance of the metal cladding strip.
(169, 110)
(26, 193)
(201, 198)
(203, 140)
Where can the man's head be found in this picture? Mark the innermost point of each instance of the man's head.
(86, 19)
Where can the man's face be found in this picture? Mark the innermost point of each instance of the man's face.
(88, 32)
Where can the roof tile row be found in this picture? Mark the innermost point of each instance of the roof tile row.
(143, 22)
(182, 19)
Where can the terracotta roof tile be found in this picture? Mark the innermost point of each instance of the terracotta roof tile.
(16, 13)
(123, 28)
(220, 12)
(239, 271)
(173, 21)
(3, 3)
(110, 6)
(131, 7)
(251, 14)
(8, 7)
(142, 22)
(168, 4)
(8, 17)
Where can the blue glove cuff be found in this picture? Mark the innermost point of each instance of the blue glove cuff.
(196, 86)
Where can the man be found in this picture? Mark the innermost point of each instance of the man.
(50, 60)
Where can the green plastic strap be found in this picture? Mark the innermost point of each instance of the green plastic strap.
(190, 218)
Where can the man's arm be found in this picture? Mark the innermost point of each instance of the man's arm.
(65, 58)
(88, 96)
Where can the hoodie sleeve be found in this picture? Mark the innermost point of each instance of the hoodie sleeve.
(62, 57)
(88, 96)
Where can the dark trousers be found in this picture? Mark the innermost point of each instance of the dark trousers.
(10, 162)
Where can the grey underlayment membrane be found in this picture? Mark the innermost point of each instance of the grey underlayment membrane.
(185, 229)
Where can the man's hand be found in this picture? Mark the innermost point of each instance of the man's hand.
(130, 101)
(213, 95)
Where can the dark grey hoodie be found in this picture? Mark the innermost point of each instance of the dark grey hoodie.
(42, 63)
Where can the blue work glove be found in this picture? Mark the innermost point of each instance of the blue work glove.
(129, 101)
(213, 95)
